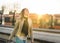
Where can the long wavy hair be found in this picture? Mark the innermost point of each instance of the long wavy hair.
(22, 12)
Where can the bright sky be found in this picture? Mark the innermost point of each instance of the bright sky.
(34, 6)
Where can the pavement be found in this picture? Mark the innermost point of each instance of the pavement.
(51, 37)
(2, 36)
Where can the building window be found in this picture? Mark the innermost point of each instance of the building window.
(57, 22)
(7, 19)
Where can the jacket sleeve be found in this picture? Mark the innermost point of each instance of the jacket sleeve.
(30, 31)
(15, 30)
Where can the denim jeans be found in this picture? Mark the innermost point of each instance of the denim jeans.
(18, 40)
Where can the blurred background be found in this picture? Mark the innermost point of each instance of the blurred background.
(44, 13)
(45, 16)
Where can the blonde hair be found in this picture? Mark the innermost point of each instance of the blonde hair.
(22, 12)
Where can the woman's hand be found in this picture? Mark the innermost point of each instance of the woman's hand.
(32, 41)
(9, 38)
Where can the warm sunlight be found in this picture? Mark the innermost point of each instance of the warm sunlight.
(34, 6)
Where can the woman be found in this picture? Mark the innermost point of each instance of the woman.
(20, 37)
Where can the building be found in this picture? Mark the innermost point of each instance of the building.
(45, 21)
(57, 21)
(34, 18)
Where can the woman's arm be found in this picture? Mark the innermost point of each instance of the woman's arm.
(31, 34)
(15, 30)
(31, 31)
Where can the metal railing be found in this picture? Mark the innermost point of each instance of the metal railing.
(47, 30)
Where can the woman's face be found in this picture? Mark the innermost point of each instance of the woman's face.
(26, 13)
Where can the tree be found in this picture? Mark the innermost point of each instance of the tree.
(1, 13)
(51, 22)
(40, 23)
